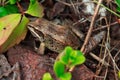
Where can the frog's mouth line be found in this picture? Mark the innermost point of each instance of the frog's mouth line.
(34, 33)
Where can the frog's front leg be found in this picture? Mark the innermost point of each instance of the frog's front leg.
(41, 49)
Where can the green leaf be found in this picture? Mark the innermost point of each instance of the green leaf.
(118, 9)
(13, 1)
(32, 1)
(12, 31)
(66, 76)
(35, 9)
(72, 57)
(7, 25)
(119, 74)
(65, 57)
(3, 12)
(118, 3)
(76, 58)
(59, 68)
(47, 76)
(11, 9)
(8, 9)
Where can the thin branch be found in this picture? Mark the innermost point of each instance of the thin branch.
(91, 27)
(99, 59)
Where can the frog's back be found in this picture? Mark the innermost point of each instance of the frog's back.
(57, 36)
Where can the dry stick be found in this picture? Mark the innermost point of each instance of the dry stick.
(68, 4)
(103, 27)
(91, 27)
(114, 63)
(20, 8)
(99, 59)
(90, 30)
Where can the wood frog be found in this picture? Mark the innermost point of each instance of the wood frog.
(54, 37)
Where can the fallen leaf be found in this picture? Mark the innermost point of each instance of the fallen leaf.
(12, 30)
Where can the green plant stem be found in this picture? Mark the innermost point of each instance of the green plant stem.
(108, 9)
(71, 69)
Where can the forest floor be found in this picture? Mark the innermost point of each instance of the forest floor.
(100, 43)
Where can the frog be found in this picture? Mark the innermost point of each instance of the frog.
(53, 36)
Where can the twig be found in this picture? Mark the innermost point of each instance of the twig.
(20, 8)
(91, 27)
(68, 4)
(114, 63)
(99, 59)
(103, 27)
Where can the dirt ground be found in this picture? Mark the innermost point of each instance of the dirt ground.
(100, 43)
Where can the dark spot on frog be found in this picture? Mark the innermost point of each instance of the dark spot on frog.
(52, 44)
(4, 28)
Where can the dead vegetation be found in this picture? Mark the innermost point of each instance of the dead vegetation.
(100, 43)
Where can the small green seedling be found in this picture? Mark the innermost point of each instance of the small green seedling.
(59, 69)
(72, 57)
(65, 61)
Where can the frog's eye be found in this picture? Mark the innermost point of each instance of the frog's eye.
(41, 35)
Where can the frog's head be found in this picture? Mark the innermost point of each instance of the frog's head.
(34, 28)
